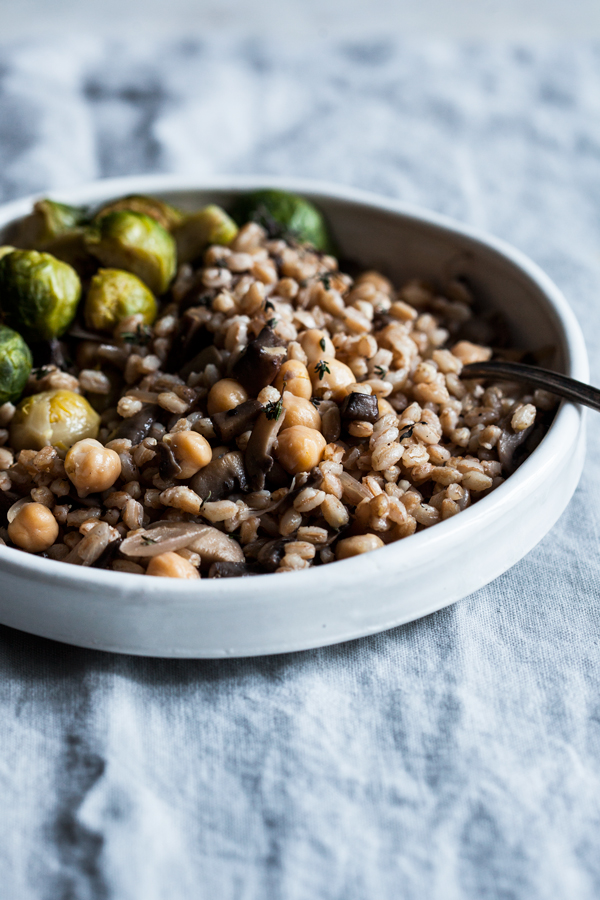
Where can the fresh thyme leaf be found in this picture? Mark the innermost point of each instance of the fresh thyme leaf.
(206, 499)
(148, 540)
(381, 370)
(322, 344)
(315, 402)
(41, 372)
(272, 323)
(269, 305)
(141, 335)
(321, 367)
(407, 433)
(273, 409)
(326, 281)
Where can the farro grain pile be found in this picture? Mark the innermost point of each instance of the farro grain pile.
(276, 415)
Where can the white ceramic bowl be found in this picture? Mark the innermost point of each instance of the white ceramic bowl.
(366, 594)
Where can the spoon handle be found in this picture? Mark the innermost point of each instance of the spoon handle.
(557, 384)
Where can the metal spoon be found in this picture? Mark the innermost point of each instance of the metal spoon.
(557, 384)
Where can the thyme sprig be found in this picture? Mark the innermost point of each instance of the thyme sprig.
(321, 367)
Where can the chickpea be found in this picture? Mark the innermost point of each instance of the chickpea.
(299, 411)
(34, 528)
(299, 448)
(225, 394)
(296, 378)
(385, 408)
(329, 374)
(91, 467)
(316, 344)
(191, 450)
(360, 543)
(171, 565)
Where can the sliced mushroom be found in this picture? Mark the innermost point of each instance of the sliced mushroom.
(192, 337)
(508, 442)
(230, 424)
(168, 466)
(358, 407)
(261, 361)
(220, 477)
(214, 546)
(160, 537)
(354, 492)
(230, 570)
(137, 427)
(209, 356)
(258, 457)
(107, 556)
(271, 554)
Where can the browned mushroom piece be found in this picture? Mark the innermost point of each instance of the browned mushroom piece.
(230, 570)
(359, 408)
(160, 537)
(270, 555)
(260, 362)
(508, 442)
(168, 466)
(209, 356)
(257, 458)
(137, 427)
(230, 424)
(214, 546)
(220, 477)
(192, 337)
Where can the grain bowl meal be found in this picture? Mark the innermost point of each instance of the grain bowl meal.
(213, 394)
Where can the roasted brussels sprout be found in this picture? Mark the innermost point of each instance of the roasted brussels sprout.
(211, 225)
(70, 247)
(57, 418)
(284, 215)
(165, 214)
(48, 220)
(38, 294)
(113, 295)
(15, 364)
(5, 249)
(137, 243)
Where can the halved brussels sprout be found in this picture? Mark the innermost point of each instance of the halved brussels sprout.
(137, 243)
(165, 214)
(113, 295)
(38, 294)
(57, 418)
(48, 220)
(5, 249)
(15, 364)
(284, 215)
(211, 225)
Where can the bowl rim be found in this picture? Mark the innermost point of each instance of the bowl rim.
(567, 421)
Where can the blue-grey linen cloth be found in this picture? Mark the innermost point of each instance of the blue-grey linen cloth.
(456, 757)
